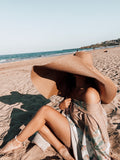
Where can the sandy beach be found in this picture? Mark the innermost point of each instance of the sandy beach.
(19, 100)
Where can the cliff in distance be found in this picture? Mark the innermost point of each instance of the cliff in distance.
(103, 44)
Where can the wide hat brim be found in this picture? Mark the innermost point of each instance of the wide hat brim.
(47, 78)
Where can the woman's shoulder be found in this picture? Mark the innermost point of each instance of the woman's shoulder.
(91, 96)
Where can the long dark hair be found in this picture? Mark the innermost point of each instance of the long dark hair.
(66, 85)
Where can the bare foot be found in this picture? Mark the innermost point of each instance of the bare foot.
(65, 153)
(10, 146)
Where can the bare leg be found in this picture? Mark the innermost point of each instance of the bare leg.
(51, 138)
(47, 134)
(58, 124)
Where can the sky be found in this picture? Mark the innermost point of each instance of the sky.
(45, 25)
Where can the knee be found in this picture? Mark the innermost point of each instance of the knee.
(44, 109)
(92, 96)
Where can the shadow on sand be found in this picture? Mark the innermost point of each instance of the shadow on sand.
(30, 105)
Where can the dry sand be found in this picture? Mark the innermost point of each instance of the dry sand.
(19, 100)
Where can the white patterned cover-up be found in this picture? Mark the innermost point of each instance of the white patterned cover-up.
(88, 143)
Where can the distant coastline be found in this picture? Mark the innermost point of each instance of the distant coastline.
(109, 43)
(24, 56)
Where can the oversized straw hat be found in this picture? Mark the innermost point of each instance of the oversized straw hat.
(47, 78)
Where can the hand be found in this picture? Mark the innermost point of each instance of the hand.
(65, 104)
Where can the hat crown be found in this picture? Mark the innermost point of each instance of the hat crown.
(86, 57)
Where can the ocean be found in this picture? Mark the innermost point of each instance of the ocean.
(24, 56)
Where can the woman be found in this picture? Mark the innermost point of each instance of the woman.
(83, 93)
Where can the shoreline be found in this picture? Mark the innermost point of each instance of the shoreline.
(57, 54)
(27, 62)
(101, 49)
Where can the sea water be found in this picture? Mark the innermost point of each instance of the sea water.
(23, 56)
